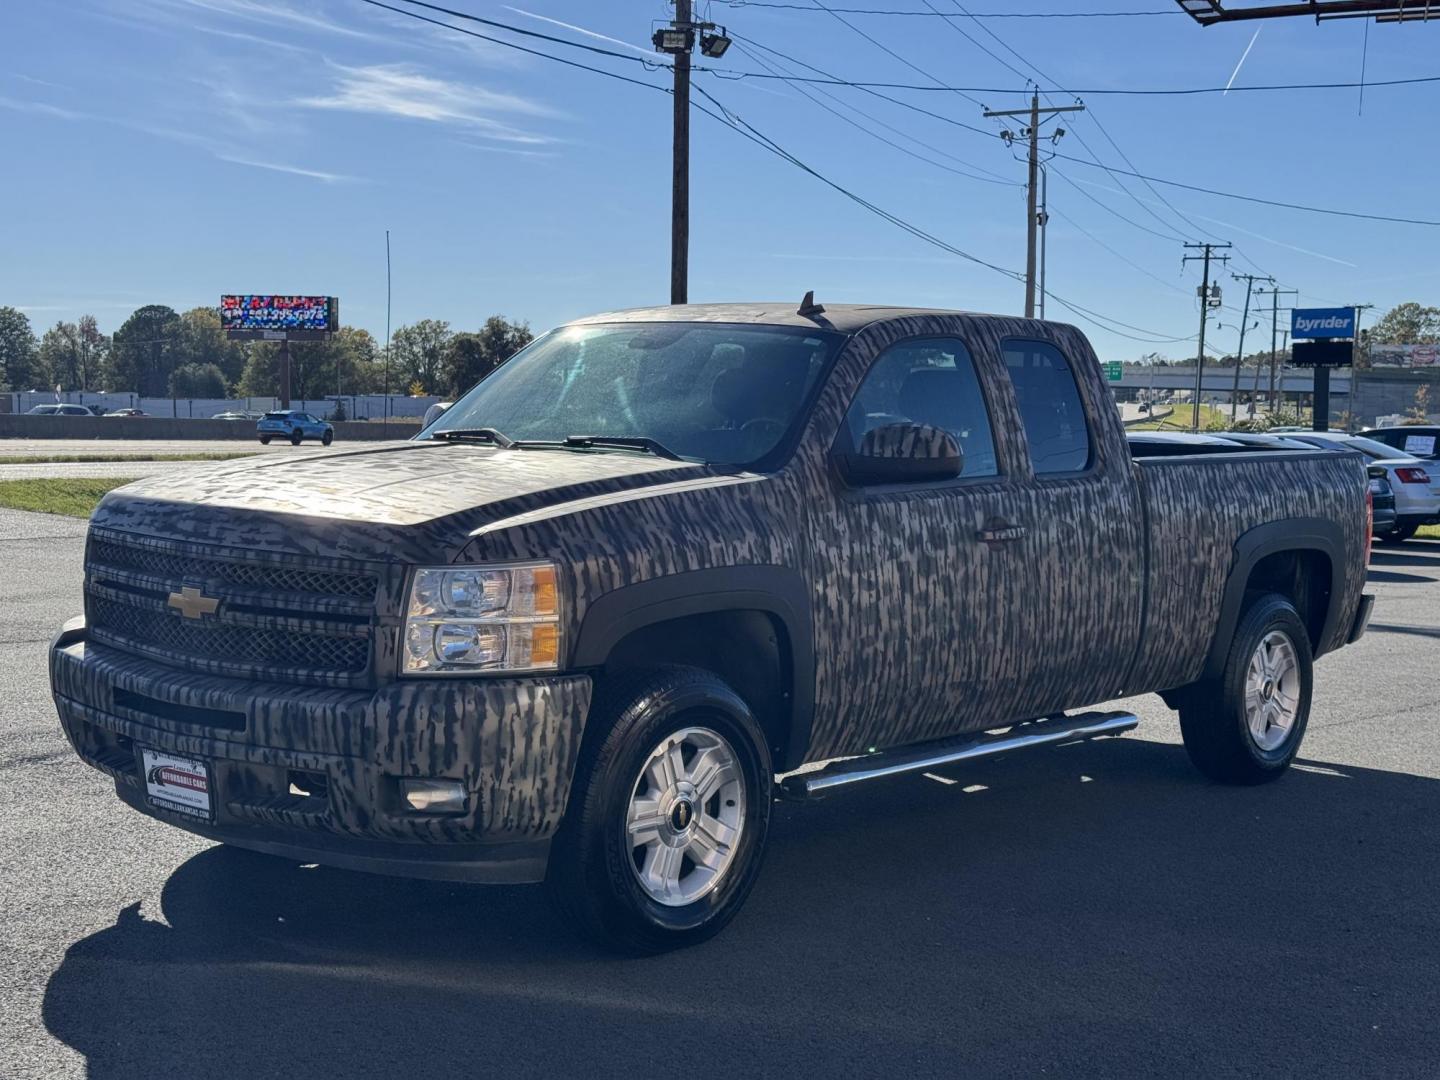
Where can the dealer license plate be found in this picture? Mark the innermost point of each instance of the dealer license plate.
(179, 784)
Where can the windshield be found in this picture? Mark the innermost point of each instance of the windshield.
(710, 392)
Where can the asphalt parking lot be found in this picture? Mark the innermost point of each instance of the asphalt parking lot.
(1093, 910)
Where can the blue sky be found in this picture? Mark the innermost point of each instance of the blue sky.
(165, 151)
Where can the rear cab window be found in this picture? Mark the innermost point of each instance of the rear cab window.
(1051, 411)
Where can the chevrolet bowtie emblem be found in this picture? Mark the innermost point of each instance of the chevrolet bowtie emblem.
(191, 604)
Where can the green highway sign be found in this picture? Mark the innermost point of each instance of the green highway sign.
(1113, 371)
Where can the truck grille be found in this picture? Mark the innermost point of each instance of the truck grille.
(272, 620)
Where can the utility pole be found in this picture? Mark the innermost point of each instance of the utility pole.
(1274, 295)
(1035, 114)
(1206, 303)
(284, 373)
(680, 168)
(1249, 280)
(678, 41)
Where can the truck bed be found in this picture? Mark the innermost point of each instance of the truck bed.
(1194, 509)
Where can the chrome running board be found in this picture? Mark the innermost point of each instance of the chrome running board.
(1048, 732)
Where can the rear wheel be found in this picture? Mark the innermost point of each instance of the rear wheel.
(264, 440)
(667, 821)
(1246, 727)
(327, 438)
(295, 438)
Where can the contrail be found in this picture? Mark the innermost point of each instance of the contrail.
(1242, 62)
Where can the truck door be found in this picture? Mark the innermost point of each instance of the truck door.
(918, 618)
(1081, 530)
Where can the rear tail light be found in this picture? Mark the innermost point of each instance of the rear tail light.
(1412, 475)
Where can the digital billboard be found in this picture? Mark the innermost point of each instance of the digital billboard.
(262, 315)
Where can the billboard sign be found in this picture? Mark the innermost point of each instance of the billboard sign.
(1322, 353)
(269, 316)
(1322, 322)
(1405, 356)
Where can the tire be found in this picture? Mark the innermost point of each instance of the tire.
(264, 440)
(1398, 535)
(1216, 718)
(295, 438)
(327, 438)
(610, 886)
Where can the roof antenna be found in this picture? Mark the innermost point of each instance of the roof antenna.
(808, 308)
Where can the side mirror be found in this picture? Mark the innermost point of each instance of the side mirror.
(904, 454)
(434, 412)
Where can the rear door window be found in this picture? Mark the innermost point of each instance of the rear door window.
(1050, 407)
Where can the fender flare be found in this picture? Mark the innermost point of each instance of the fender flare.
(776, 590)
(1293, 534)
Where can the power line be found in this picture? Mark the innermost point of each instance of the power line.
(1255, 198)
(522, 48)
(975, 15)
(989, 178)
(1097, 91)
(940, 83)
(733, 121)
(866, 89)
(1174, 236)
(745, 128)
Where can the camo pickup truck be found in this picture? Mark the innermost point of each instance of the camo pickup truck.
(591, 622)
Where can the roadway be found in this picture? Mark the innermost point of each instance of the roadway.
(1092, 910)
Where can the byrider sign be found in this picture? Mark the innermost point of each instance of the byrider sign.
(1322, 322)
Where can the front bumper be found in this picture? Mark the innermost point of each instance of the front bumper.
(314, 773)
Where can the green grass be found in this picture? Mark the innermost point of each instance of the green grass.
(70, 459)
(71, 497)
(1428, 532)
(1179, 420)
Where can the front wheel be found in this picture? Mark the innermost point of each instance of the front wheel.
(327, 438)
(667, 820)
(264, 440)
(1246, 727)
(295, 438)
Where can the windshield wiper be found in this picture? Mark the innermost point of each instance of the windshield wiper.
(486, 434)
(623, 442)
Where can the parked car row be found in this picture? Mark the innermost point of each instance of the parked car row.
(1404, 484)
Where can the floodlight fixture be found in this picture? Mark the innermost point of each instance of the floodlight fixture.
(713, 42)
(673, 39)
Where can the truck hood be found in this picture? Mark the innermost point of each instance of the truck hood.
(401, 502)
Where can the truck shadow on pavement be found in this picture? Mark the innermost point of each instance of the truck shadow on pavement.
(1095, 909)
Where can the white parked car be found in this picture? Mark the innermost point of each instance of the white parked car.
(1416, 482)
(60, 410)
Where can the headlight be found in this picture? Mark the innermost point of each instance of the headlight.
(481, 619)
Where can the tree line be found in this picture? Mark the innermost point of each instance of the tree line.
(159, 352)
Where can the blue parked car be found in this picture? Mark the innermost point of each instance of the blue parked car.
(293, 425)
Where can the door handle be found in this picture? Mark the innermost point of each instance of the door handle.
(1000, 532)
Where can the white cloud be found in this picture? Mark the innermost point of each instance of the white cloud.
(40, 108)
(293, 170)
(398, 90)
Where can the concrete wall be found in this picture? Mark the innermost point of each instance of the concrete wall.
(155, 427)
(357, 406)
(1388, 391)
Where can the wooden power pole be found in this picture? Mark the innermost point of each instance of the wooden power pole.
(1032, 213)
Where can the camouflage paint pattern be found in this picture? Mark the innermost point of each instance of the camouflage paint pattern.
(935, 608)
